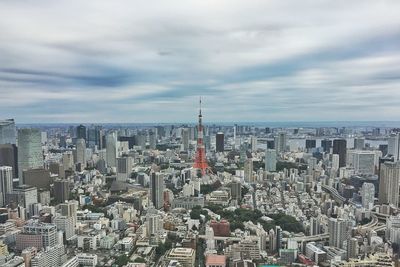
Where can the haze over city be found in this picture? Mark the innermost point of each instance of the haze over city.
(136, 61)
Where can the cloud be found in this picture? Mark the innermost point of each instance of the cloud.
(135, 61)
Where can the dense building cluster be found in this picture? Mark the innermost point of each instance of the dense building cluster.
(198, 195)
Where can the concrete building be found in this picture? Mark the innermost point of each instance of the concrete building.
(185, 256)
(157, 189)
(389, 183)
(368, 195)
(30, 154)
(124, 168)
(61, 190)
(111, 150)
(9, 157)
(8, 131)
(6, 183)
(270, 160)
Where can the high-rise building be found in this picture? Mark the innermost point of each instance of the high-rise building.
(326, 145)
(185, 139)
(8, 132)
(152, 140)
(81, 132)
(280, 142)
(359, 143)
(394, 146)
(339, 232)
(6, 183)
(111, 150)
(362, 161)
(48, 231)
(352, 248)
(389, 182)
(69, 209)
(25, 196)
(30, 154)
(236, 191)
(311, 143)
(9, 157)
(253, 143)
(248, 170)
(124, 168)
(368, 195)
(270, 160)
(393, 229)
(81, 152)
(40, 178)
(61, 190)
(65, 224)
(157, 189)
(219, 142)
(339, 148)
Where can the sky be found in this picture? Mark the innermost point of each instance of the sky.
(150, 61)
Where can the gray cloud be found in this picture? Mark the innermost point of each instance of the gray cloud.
(136, 61)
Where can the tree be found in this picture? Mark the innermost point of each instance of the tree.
(140, 260)
(122, 260)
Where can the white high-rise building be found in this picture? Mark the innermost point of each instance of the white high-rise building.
(389, 182)
(393, 229)
(6, 183)
(253, 142)
(393, 146)
(111, 150)
(335, 162)
(270, 160)
(30, 153)
(368, 195)
(339, 232)
(362, 161)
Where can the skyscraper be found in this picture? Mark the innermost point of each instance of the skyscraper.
(9, 157)
(270, 160)
(124, 168)
(359, 143)
(61, 190)
(339, 231)
(30, 154)
(326, 145)
(185, 139)
(81, 132)
(339, 148)
(367, 195)
(389, 182)
(311, 143)
(393, 146)
(111, 150)
(156, 189)
(280, 142)
(6, 183)
(219, 142)
(8, 132)
(81, 152)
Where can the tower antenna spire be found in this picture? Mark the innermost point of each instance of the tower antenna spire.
(200, 105)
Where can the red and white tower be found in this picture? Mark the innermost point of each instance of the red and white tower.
(200, 162)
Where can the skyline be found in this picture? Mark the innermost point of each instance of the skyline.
(134, 62)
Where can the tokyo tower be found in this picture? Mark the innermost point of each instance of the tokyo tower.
(200, 162)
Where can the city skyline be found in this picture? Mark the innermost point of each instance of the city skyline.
(102, 62)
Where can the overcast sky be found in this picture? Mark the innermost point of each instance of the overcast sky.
(149, 61)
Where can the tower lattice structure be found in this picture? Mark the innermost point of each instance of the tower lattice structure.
(200, 162)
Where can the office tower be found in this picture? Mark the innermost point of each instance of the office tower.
(65, 224)
(69, 209)
(270, 160)
(326, 145)
(6, 183)
(48, 231)
(315, 226)
(154, 224)
(363, 162)
(339, 148)
(339, 232)
(30, 154)
(278, 236)
(219, 142)
(367, 195)
(389, 182)
(61, 190)
(8, 132)
(393, 229)
(68, 160)
(9, 157)
(352, 248)
(81, 132)
(253, 143)
(200, 161)
(130, 139)
(311, 143)
(335, 162)
(111, 150)
(393, 146)
(39, 178)
(359, 143)
(248, 170)
(185, 139)
(124, 168)
(25, 196)
(152, 140)
(236, 191)
(280, 142)
(81, 152)
(141, 141)
(157, 189)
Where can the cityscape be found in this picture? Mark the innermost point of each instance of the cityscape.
(225, 133)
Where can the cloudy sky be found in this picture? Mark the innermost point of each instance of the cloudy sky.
(149, 61)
